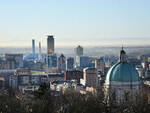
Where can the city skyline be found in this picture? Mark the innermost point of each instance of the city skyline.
(87, 23)
(74, 56)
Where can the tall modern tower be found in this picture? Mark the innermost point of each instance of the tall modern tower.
(50, 45)
(78, 54)
(79, 51)
(40, 52)
(33, 46)
(50, 51)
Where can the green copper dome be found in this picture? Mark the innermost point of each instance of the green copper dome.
(122, 72)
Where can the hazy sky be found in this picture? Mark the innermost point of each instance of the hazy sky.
(74, 22)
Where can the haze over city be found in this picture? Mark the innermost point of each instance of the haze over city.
(75, 56)
(75, 22)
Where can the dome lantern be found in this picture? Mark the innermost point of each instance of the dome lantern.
(123, 56)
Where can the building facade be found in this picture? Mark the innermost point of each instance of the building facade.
(100, 66)
(62, 63)
(33, 46)
(69, 63)
(79, 51)
(90, 78)
(82, 61)
(14, 61)
(50, 45)
(52, 60)
(73, 75)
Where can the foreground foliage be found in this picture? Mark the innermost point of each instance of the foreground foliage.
(46, 101)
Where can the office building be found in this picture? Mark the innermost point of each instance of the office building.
(79, 51)
(52, 60)
(69, 63)
(40, 52)
(50, 45)
(62, 63)
(14, 61)
(82, 61)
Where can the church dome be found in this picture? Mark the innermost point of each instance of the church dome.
(122, 72)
